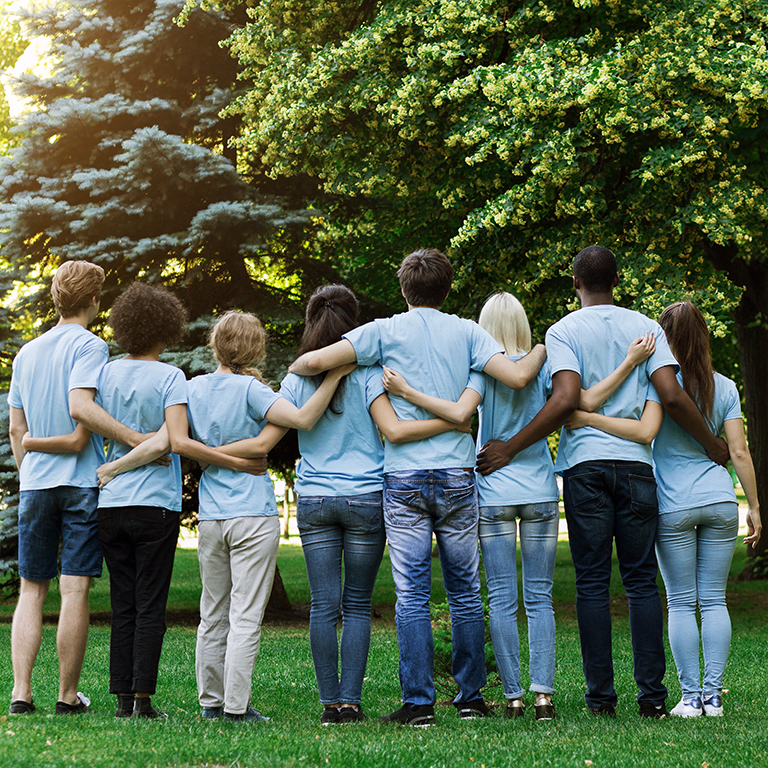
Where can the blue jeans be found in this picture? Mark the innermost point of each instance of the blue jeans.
(417, 504)
(695, 548)
(538, 546)
(607, 500)
(331, 526)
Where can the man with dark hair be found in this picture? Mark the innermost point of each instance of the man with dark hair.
(429, 485)
(608, 485)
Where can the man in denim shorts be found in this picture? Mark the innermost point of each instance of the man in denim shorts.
(54, 379)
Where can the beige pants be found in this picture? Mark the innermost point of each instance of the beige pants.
(237, 566)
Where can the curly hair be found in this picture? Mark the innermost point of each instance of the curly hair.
(74, 285)
(238, 340)
(146, 315)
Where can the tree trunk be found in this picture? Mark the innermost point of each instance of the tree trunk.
(279, 603)
(287, 510)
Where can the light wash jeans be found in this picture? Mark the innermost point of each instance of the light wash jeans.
(695, 548)
(332, 526)
(538, 546)
(417, 504)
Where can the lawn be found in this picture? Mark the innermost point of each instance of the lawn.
(284, 688)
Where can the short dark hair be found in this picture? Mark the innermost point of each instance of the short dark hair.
(425, 277)
(595, 267)
(146, 315)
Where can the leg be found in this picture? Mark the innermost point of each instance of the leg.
(538, 547)
(72, 634)
(498, 543)
(253, 543)
(26, 634)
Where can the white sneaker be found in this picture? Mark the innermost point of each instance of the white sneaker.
(688, 706)
(713, 705)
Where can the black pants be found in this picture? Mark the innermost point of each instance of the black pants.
(139, 544)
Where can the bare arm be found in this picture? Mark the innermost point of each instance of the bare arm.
(74, 442)
(397, 431)
(641, 430)
(683, 411)
(745, 471)
(639, 350)
(517, 374)
(319, 360)
(454, 411)
(150, 450)
(17, 428)
(82, 408)
(253, 447)
(566, 386)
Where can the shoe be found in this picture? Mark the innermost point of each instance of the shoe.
(688, 706)
(83, 702)
(649, 709)
(250, 715)
(515, 708)
(604, 710)
(125, 704)
(352, 715)
(142, 708)
(543, 707)
(472, 709)
(211, 713)
(713, 705)
(330, 716)
(419, 715)
(21, 707)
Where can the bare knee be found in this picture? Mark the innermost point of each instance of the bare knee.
(75, 588)
(33, 592)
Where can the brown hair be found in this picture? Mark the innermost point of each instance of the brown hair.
(74, 285)
(688, 338)
(238, 340)
(425, 277)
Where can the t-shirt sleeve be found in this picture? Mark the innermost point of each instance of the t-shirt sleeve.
(545, 377)
(560, 354)
(733, 404)
(652, 394)
(483, 347)
(373, 385)
(288, 389)
(14, 396)
(366, 341)
(476, 382)
(260, 398)
(89, 361)
(175, 389)
(663, 354)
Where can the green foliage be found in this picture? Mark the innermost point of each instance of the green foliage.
(9, 506)
(12, 45)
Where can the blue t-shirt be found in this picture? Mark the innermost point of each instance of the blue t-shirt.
(342, 455)
(530, 477)
(136, 393)
(435, 353)
(224, 408)
(65, 358)
(685, 476)
(593, 342)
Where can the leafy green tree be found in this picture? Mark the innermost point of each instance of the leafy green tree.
(516, 133)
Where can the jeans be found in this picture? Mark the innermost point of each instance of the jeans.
(417, 504)
(607, 500)
(538, 546)
(695, 548)
(332, 527)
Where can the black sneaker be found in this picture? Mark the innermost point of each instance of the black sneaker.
(142, 707)
(21, 707)
(62, 708)
(543, 707)
(419, 715)
(330, 716)
(515, 708)
(125, 704)
(604, 710)
(352, 715)
(650, 709)
(471, 709)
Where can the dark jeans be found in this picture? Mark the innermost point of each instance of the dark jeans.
(607, 500)
(139, 544)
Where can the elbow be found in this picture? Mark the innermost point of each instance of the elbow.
(393, 436)
(646, 438)
(312, 364)
(176, 445)
(739, 455)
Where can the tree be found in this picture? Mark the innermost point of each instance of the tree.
(12, 45)
(520, 132)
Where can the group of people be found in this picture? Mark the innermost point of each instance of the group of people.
(617, 380)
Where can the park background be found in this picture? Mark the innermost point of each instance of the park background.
(242, 153)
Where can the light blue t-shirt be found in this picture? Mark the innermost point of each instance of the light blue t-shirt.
(530, 477)
(342, 455)
(136, 393)
(435, 353)
(685, 476)
(65, 358)
(224, 408)
(593, 342)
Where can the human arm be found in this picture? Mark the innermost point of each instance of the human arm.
(640, 349)
(454, 411)
(641, 430)
(516, 374)
(683, 411)
(17, 428)
(745, 471)
(73, 442)
(82, 408)
(151, 449)
(254, 447)
(566, 386)
(319, 360)
(406, 431)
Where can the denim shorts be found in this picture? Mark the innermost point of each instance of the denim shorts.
(64, 514)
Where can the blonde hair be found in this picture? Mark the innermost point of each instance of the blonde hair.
(504, 318)
(238, 340)
(74, 285)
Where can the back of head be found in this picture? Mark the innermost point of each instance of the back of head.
(74, 285)
(504, 318)
(595, 267)
(238, 340)
(688, 338)
(425, 277)
(147, 315)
